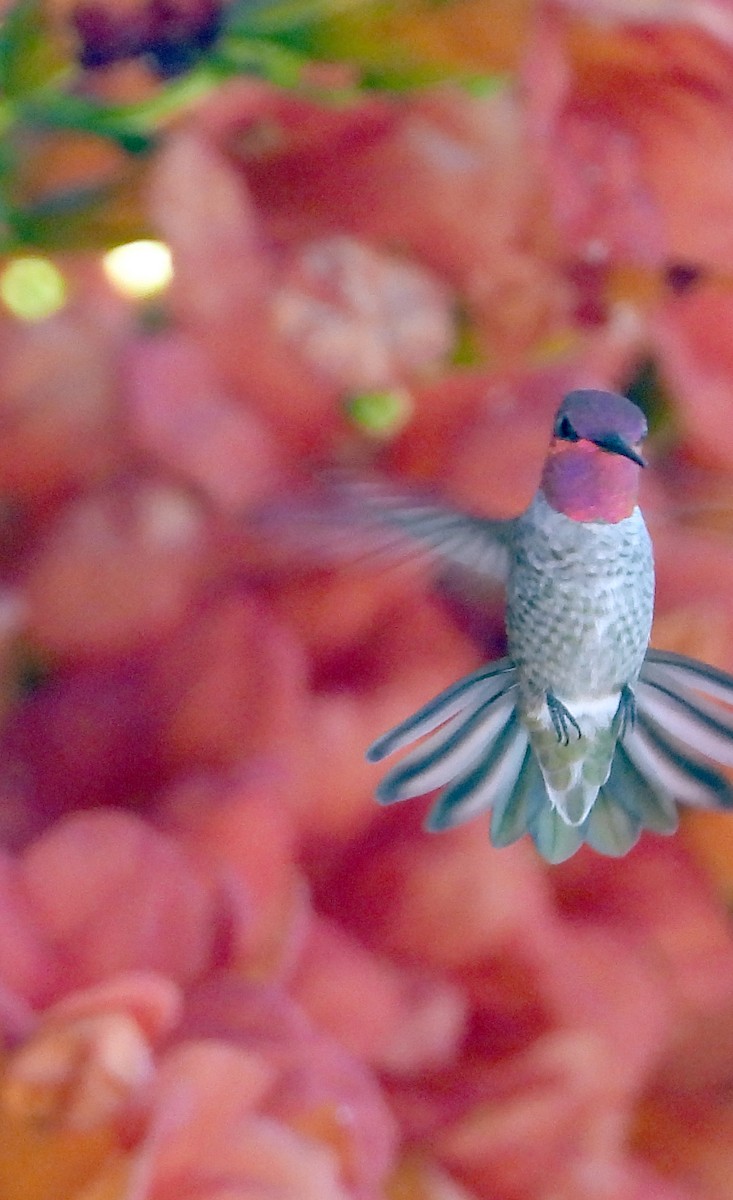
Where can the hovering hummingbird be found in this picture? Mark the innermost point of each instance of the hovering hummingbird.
(582, 733)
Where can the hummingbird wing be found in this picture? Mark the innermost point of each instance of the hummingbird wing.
(452, 538)
(352, 519)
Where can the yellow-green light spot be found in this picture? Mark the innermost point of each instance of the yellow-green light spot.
(139, 269)
(32, 288)
(381, 414)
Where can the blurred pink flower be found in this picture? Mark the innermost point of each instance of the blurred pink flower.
(321, 318)
(58, 407)
(144, 1011)
(224, 973)
(130, 962)
(631, 118)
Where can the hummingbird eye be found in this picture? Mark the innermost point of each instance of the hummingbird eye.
(564, 430)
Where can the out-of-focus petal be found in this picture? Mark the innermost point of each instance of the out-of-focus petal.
(181, 415)
(690, 941)
(204, 1131)
(223, 284)
(361, 318)
(87, 736)
(80, 603)
(630, 125)
(29, 966)
(78, 1074)
(321, 1089)
(694, 577)
(696, 361)
(240, 823)
(231, 683)
(111, 894)
(152, 1001)
(58, 408)
(447, 907)
(542, 1112)
(400, 1021)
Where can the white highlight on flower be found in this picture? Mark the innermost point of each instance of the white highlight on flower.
(78, 1074)
(139, 269)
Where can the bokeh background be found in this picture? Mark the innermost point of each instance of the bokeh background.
(240, 243)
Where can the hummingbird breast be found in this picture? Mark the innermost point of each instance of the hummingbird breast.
(580, 598)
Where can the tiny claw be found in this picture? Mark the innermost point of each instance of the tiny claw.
(626, 711)
(562, 720)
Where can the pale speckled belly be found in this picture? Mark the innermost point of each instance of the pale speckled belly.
(579, 603)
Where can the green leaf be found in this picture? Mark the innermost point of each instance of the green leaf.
(264, 57)
(135, 127)
(29, 56)
(63, 111)
(468, 350)
(96, 217)
(94, 228)
(277, 16)
(646, 389)
(403, 74)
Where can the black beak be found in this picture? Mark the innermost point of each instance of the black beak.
(615, 444)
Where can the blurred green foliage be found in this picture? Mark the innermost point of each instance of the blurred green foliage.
(45, 92)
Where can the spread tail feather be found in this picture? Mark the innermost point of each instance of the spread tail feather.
(681, 672)
(467, 694)
(512, 814)
(640, 795)
(492, 777)
(553, 837)
(679, 734)
(467, 738)
(478, 750)
(613, 827)
(466, 725)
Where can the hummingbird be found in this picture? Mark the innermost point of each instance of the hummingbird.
(582, 733)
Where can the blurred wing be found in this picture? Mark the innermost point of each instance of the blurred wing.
(453, 538)
(366, 520)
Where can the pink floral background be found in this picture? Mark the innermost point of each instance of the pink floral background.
(225, 973)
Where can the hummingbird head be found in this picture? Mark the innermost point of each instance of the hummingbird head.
(592, 468)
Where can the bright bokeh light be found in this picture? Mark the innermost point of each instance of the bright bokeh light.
(139, 269)
(32, 288)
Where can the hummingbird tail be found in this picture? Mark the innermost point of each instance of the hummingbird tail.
(479, 752)
(682, 728)
(665, 756)
(475, 750)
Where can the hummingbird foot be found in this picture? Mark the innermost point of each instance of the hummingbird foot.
(562, 720)
(626, 712)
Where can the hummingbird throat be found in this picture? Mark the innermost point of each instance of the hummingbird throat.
(586, 483)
